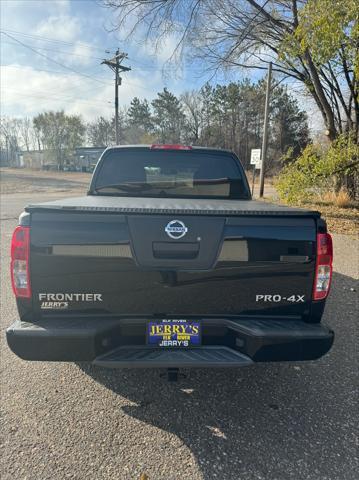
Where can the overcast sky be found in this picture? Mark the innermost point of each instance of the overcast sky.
(51, 53)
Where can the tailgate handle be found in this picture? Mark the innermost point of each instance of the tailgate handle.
(180, 250)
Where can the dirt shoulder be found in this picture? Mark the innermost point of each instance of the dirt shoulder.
(339, 220)
(15, 180)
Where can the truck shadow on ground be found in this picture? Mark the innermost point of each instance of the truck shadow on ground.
(263, 421)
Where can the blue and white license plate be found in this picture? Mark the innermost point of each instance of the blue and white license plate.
(174, 333)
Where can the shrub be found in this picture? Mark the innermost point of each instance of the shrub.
(318, 170)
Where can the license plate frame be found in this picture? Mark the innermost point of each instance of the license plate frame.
(174, 333)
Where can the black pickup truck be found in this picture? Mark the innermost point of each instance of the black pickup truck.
(168, 262)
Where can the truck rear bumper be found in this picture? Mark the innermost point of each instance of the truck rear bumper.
(122, 342)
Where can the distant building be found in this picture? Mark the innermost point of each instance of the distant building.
(32, 159)
(83, 159)
(87, 157)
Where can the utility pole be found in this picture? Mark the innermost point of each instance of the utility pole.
(265, 131)
(115, 65)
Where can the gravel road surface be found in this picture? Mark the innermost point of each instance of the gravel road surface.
(270, 421)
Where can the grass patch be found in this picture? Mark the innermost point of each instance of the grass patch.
(340, 199)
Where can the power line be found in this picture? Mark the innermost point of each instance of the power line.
(36, 69)
(57, 72)
(61, 73)
(53, 40)
(65, 66)
(58, 51)
(63, 42)
(54, 61)
(123, 69)
(41, 70)
(142, 65)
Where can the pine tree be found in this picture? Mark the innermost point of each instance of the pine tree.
(139, 115)
(168, 117)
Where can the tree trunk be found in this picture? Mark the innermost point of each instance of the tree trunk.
(327, 111)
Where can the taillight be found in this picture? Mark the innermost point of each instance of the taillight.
(20, 252)
(324, 267)
(158, 146)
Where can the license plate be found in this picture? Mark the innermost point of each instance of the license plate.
(174, 333)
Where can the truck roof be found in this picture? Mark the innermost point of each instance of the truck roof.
(149, 146)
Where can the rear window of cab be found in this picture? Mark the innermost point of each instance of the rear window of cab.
(170, 173)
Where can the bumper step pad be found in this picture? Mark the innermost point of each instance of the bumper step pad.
(83, 339)
(142, 357)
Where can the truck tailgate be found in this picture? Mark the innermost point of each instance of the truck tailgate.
(113, 256)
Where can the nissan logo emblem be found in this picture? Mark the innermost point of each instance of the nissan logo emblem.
(176, 229)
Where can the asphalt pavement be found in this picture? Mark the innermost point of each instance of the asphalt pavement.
(270, 421)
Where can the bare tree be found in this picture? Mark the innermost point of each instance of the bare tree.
(251, 33)
(26, 133)
(9, 139)
(36, 138)
(101, 132)
(192, 106)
